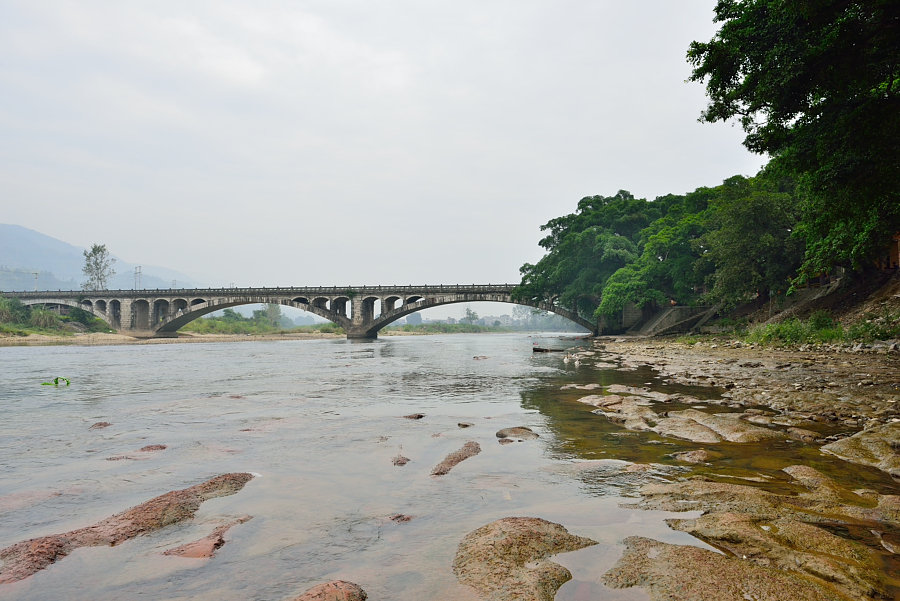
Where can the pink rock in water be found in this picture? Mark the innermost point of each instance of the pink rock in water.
(336, 590)
(206, 546)
(153, 447)
(469, 449)
(24, 558)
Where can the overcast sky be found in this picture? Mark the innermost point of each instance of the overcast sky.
(345, 142)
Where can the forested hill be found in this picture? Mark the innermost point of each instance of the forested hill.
(816, 88)
(722, 244)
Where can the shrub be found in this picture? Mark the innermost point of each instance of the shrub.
(12, 311)
(821, 320)
(875, 327)
(43, 318)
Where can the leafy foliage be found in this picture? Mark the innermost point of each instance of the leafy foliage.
(726, 244)
(585, 248)
(750, 242)
(12, 310)
(43, 318)
(815, 85)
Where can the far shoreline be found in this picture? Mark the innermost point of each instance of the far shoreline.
(108, 339)
(105, 339)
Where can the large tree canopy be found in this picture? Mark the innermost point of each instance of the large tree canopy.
(815, 85)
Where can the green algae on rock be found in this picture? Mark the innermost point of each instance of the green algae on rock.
(506, 560)
(876, 446)
(686, 573)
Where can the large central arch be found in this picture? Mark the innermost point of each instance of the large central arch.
(391, 316)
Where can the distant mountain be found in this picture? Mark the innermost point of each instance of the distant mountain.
(24, 252)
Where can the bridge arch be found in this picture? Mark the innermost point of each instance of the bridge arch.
(388, 317)
(171, 325)
(73, 303)
(146, 313)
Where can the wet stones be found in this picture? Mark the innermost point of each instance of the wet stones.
(518, 433)
(206, 546)
(470, 449)
(696, 456)
(789, 532)
(23, 559)
(152, 447)
(685, 573)
(336, 590)
(876, 446)
(507, 559)
(728, 426)
(632, 409)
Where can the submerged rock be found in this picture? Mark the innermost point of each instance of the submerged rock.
(336, 590)
(23, 559)
(696, 456)
(507, 559)
(206, 546)
(685, 573)
(729, 426)
(470, 449)
(877, 447)
(519, 432)
(635, 413)
(792, 545)
(791, 532)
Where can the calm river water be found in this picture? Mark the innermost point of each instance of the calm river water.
(319, 422)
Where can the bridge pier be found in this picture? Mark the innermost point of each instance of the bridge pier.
(361, 333)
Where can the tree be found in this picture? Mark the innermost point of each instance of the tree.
(585, 248)
(815, 85)
(750, 242)
(98, 267)
(470, 318)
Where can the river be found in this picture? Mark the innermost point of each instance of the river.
(319, 422)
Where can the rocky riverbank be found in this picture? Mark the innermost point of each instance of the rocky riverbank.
(806, 535)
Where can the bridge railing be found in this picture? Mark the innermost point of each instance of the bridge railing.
(234, 291)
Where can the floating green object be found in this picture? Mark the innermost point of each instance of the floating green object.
(55, 381)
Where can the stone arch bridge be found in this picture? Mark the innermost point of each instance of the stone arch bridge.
(160, 313)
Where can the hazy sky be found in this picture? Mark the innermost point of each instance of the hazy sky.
(345, 142)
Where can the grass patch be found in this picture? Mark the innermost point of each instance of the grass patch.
(822, 328)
